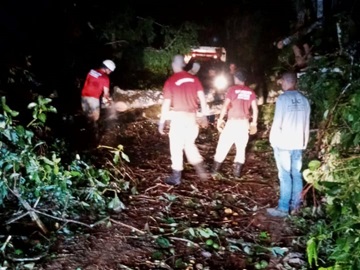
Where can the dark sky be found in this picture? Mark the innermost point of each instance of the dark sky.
(23, 20)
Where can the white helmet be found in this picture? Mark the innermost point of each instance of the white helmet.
(109, 64)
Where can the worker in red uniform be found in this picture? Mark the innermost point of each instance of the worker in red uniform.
(183, 92)
(97, 83)
(241, 108)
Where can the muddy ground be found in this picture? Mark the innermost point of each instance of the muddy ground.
(166, 227)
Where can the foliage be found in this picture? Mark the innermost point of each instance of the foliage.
(37, 175)
(147, 46)
(332, 83)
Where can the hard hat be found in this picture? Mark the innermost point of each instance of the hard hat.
(109, 64)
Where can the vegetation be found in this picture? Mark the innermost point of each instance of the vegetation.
(145, 47)
(332, 83)
(52, 192)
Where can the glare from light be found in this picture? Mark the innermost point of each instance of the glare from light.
(220, 82)
(187, 58)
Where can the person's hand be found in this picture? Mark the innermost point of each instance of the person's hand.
(107, 101)
(220, 125)
(253, 129)
(161, 128)
(203, 122)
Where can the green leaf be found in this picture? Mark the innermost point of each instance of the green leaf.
(206, 232)
(263, 264)
(42, 117)
(32, 105)
(163, 242)
(192, 232)
(209, 242)
(46, 100)
(52, 109)
(14, 113)
(314, 165)
(20, 130)
(157, 255)
(125, 157)
(311, 251)
(47, 161)
(116, 158)
(115, 204)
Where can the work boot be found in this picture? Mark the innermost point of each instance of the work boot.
(174, 179)
(200, 171)
(237, 169)
(216, 167)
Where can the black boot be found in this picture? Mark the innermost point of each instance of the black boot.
(174, 179)
(200, 171)
(216, 167)
(237, 169)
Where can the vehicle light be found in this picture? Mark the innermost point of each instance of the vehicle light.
(220, 82)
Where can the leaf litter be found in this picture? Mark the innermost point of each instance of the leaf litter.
(213, 224)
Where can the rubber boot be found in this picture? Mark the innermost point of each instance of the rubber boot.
(200, 171)
(174, 179)
(237, 169)
(216, 167)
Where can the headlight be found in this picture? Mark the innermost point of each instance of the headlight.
(220, 82)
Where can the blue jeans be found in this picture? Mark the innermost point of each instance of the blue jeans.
(289, 163)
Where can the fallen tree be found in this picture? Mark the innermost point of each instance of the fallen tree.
(124, 100)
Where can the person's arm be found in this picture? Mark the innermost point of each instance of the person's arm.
(106, 92)
(203, 121)
(307, 128)
(165, 109)
(203, 104)
(277, 122)
(255, 112)
(223, 112)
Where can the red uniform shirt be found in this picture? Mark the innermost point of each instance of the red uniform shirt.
(95, 82)
(182, 88)
(241, 97)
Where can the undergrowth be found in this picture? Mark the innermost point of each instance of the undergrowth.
(332, 227)
(36, 183)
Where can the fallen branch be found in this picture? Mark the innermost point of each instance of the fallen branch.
(124, 267)
(36, 258)
(127, 226)
(185, 240)
(16, 218)
(62, 219)
(33, 215)
(5, 244)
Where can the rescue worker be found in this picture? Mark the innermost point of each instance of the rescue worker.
(97, 83)
(239, 101)
(182, 94)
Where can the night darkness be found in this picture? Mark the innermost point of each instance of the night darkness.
(58, 35)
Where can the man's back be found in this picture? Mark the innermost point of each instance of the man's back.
(182, 88)
(95, 82)
(290, 129)
(241, 97)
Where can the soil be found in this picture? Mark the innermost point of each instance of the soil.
(153, 231)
